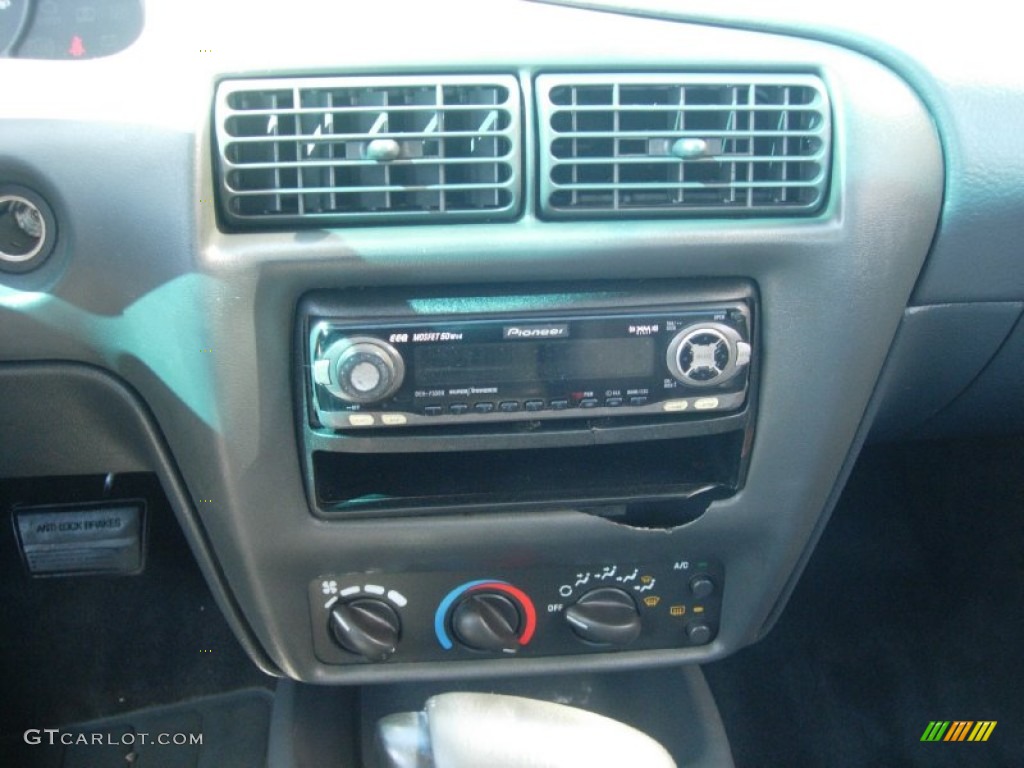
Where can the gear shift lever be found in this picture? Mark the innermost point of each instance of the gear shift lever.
(472, 730)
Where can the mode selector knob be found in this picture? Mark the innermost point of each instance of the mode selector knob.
(362, 369)
(607, 616)
(367, 627)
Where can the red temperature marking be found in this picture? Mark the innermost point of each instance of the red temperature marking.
(523, 600)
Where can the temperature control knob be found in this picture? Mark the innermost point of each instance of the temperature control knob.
(707, 354)
(487, 621)
(607, 616)
(367, 627)
(360, 369)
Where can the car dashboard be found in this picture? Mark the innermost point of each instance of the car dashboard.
(476, 343)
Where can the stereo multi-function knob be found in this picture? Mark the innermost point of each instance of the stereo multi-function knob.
(368, 627)
(606, 616)
(362, 369)
(487, 621)
(707, 354)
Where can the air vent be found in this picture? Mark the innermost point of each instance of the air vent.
(632, 145)
(323, 151)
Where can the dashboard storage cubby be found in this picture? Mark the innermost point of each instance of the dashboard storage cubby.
(596, 476)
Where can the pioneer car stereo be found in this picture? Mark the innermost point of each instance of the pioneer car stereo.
(396, 373)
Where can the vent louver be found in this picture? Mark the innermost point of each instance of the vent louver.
(631, 145)
(322, 151)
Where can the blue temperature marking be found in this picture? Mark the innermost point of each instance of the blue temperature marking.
(449, 599)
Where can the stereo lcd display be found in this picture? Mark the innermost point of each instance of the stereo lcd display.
(489, 364)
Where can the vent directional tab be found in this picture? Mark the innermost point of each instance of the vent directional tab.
(683, 144)
(322, 151)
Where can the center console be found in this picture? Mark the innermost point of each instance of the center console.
(635, 405)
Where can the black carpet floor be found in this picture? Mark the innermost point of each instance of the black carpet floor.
(911, 610)
(82, 648)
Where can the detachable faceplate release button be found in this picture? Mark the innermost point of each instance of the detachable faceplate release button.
(361, 420)
(322, 372)
(742, 353)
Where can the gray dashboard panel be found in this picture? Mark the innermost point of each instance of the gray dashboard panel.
(938, 354)
(199, 322)
(967, 66)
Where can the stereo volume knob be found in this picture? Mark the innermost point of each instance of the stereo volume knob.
(607, 616)
(362, 369)
(707, 354)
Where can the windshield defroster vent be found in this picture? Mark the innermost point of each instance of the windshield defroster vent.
(700, 144)
(323, 151)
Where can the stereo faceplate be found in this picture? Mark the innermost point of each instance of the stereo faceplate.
(665, 360)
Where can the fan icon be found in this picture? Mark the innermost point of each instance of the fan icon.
(329, 587)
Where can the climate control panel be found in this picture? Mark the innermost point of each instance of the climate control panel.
(368, 618)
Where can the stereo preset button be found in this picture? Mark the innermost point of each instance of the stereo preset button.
(559, 405)
(673, 406)
(458, 408)
(706, 403)
(361, 420)
(484, 407)
(509, 406)
(613, 402)
(393, 419)
(534, 405)
(588, 402)
(638, 401)
(433, 410)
